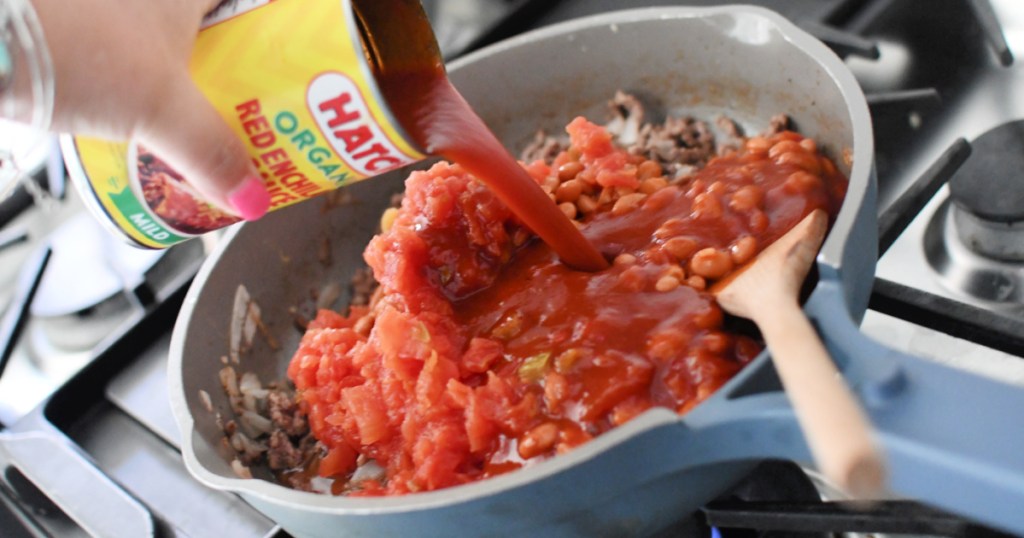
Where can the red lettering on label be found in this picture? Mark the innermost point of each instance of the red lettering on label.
(347, 122)
(377, 149)
(248, 109)
(256, 125)
(263, 140)
(278, 196)
(354, 138)
(283, 168)
(275, 155)
(381, 164)
(337, 105)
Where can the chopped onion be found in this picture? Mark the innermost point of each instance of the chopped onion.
(260, 424)
(366, 471)
(204, 397)
(328, 295)
(250, 385)
(238, 314)
(229, 380)
(240, 469)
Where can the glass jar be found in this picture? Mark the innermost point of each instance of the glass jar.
(26, 93)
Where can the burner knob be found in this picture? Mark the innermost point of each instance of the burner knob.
(988, 194)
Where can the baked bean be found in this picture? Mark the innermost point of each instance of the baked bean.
(743, 250)
(569, 170)
(716, 342)
(697, 187)
(706, 206)
(802, 182)
(624, 259)
(676, 271)
(758, 221)
(718, 188)
(566, 359)
(659, 199)
(538, 440)
(586, 204)
(663, 346)
(623, 191)
(627, 203)
(648, 169)
(666, 283)
(552, 196)
(652, 185)
(508, 327)
(632, 279)
(746, 198)
(607, 196)
(711, 263)
(671, 228)
(696, 282)
(712, 318)
(570, 438)
(568, 208)
(680, 248)
(549, 184)
(588, 177)
(573, 153)
(556, 388)
(785, 146)
(758, 144)
(801, 159)
(569, 191)
(809, 145)
(827, 166)
(387, 219)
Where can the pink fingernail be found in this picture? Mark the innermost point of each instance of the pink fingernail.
(250, 199)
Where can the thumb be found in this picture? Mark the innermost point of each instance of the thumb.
(187, 132)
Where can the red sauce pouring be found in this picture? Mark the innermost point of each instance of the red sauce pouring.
(444, 124)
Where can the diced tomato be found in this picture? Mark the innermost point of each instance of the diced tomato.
(486, 353)
(339, 461)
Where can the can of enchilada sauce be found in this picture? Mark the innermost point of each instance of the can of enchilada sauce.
(297, 80)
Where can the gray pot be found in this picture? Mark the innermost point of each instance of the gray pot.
(747, 62)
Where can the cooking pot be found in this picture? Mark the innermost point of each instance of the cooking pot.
(951, 438)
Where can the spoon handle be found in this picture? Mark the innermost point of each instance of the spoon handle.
(836, 428)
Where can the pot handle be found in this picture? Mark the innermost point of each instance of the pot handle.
(76, 486)
(948, 435)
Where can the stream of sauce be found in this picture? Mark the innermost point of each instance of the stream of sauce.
(444, 124)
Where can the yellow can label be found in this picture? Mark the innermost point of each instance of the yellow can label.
(291, 79)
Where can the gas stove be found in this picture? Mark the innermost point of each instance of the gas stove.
(91, 447)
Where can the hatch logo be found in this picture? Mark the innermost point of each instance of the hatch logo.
(344, 118)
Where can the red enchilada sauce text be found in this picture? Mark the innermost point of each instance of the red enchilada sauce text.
(481, 353)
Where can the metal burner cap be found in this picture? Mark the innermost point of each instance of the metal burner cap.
(990, 184)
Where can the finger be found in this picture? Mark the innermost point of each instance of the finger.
(188, 133)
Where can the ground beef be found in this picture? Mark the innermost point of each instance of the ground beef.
(778, 123)
(542, 148)
(281, 453)
(362, 287)
(284, 413)
(680, 145)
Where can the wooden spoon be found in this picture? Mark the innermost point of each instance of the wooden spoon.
(765, 291)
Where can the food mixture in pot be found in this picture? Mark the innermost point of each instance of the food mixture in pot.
(479, 353)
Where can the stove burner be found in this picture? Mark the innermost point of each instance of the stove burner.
(988, 194)
(961, 269)
(975, 239)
